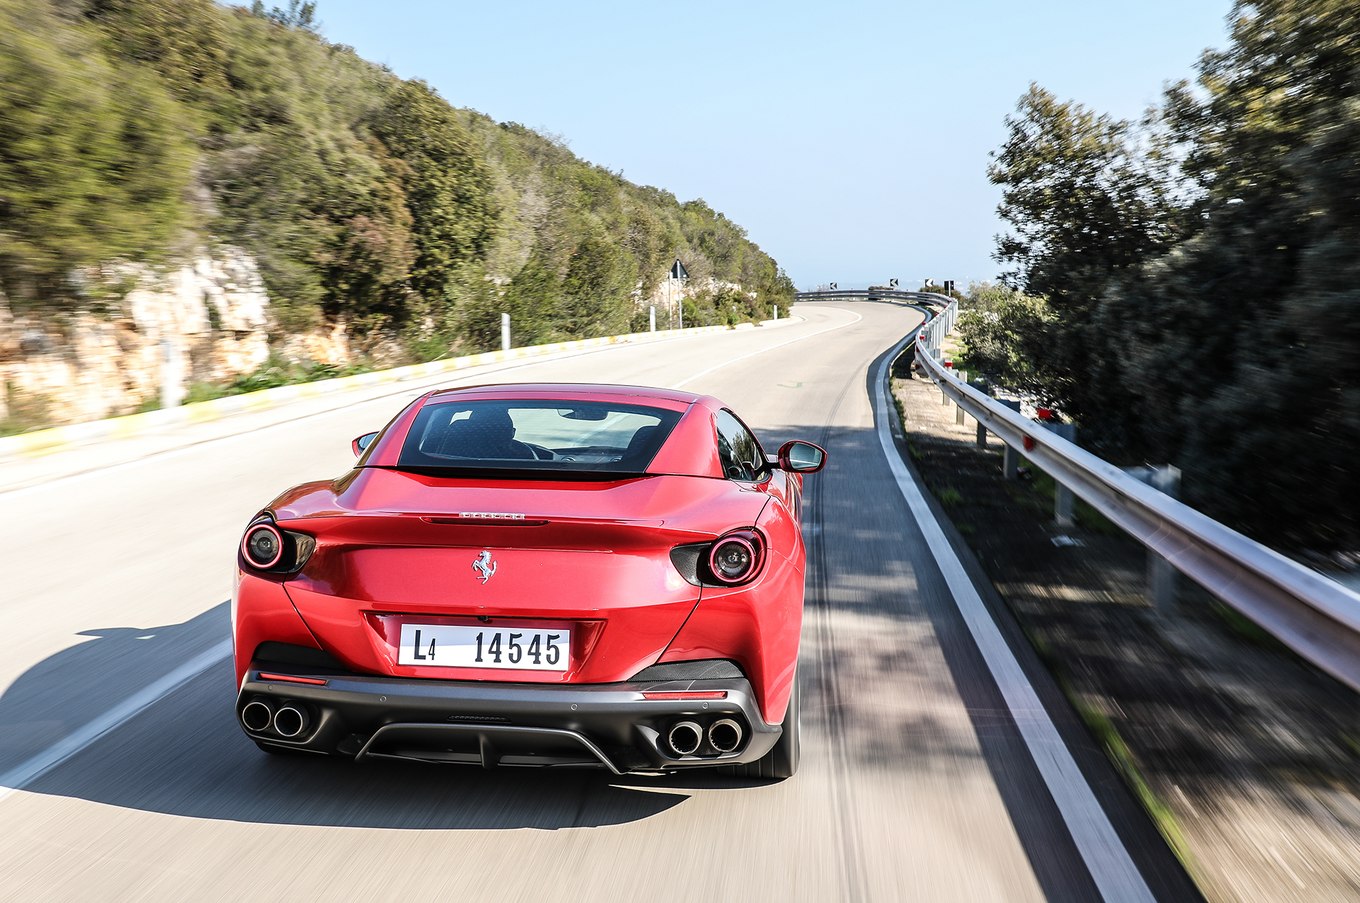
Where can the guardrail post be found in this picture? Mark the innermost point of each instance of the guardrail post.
(1161, 574)
(1010, 458)
(958, 409)
(981, 435)
(1062, 496)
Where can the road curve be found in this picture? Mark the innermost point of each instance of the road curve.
(133, 780)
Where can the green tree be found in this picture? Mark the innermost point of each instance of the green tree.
(1200, 272)
(596, 291)
(1003, 333)
(449, 191)
(94, 164)
(1248, 371)
(143, 130)
(1084, 207)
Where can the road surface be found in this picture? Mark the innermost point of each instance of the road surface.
(123, 774)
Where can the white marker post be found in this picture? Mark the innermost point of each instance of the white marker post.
(505, 332)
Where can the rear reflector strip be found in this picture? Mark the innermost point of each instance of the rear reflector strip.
(288, 678)
(685, 694)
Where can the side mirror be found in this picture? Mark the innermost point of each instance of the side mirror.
(801, 457)
(362, 442)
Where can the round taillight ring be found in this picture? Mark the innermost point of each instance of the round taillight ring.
(735, 558)
(262, 546)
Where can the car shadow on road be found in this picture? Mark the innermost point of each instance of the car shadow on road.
(184, 755)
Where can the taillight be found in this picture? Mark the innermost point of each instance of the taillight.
(736, 557)
(265, 547)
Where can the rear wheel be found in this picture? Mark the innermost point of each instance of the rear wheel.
(782, 761)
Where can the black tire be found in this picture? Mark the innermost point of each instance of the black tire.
(781, 762)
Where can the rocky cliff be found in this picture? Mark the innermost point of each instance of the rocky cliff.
(202, 322)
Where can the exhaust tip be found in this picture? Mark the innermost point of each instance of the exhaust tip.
(289, 721)
(684, 738)
(725, 735)
(256, 716)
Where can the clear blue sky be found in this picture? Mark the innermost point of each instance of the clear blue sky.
(849, 139)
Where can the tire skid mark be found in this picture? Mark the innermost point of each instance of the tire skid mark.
(854, 870)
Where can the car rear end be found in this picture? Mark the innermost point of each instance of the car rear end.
(444, 607)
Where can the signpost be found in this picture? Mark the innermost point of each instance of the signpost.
(678, 272)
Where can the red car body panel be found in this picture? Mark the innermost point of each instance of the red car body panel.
(592, 556)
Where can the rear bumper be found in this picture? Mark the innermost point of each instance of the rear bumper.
(482, 723)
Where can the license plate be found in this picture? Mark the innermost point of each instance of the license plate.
(449, 646)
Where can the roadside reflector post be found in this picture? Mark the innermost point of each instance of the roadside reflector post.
(505, 332)
(1010, 458)
(1062, 496)
(171, 390)
(651, 319)
(1161, 574)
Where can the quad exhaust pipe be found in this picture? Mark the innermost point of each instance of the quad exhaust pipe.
(289, 721)
(725, 735)
(685, 737)
(257, 716)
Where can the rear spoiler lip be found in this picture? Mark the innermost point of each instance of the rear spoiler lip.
(439, 528)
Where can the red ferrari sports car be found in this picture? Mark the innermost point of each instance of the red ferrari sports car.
(545, 574)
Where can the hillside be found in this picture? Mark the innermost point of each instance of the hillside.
(145, 135)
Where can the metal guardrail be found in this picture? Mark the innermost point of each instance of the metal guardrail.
(1316, 617)
(873, 295)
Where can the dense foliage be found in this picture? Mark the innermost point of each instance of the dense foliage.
(137, 129)
(1199, 272)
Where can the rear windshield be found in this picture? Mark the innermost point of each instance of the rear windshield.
(536, 437)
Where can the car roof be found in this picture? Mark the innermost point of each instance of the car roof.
(668, 399)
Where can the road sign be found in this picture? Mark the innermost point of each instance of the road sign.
(678, 270)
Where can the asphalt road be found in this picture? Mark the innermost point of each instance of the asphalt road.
(916, 782)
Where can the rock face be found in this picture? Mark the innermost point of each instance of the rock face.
(205, 321)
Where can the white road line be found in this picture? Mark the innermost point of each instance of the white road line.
(1114, 873)
(38, 765)
(702, 373)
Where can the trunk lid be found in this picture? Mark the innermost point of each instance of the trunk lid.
(398, 552)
